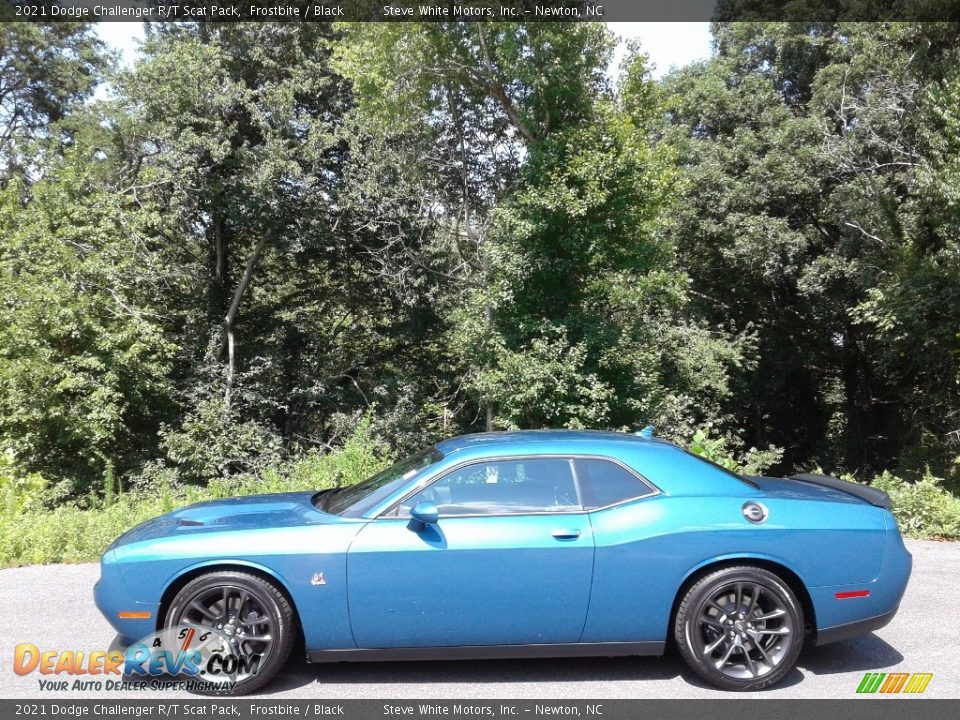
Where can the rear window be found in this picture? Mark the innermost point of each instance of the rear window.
(604, 483)
(725, 471)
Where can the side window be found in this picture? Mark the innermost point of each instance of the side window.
(502, 487)
(605, 483)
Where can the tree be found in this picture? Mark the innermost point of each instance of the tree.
(564, 309)
(84, 360)
(802, 144)
(45, 71)
(466, 101)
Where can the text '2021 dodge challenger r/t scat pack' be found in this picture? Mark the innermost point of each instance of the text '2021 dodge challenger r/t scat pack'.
(520, 544)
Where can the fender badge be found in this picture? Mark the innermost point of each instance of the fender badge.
(318, 579)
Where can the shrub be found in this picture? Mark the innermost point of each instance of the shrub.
(20, 491)
(31, 534)
(721, 451)
(924, 508)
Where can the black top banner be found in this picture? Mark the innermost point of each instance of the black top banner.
(477, 10)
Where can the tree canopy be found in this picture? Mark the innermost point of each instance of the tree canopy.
(267, 232)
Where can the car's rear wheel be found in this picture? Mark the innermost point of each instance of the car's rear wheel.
(740, 628)
(251, 616)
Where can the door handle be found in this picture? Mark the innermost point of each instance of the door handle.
(568, 534)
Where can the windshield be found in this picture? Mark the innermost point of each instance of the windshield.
(355, 500)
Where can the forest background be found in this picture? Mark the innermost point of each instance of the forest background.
(279, 256)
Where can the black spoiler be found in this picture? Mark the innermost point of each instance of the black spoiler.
(864, 492)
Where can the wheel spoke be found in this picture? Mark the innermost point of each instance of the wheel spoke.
(754, 596)
(262, 620)
(750, 664)
(726, 656)
(708, 650)
(778, 612)
(738, 606)
(202, 609)
(197, 624)
(258, 638)
(774, 631)
(707, 620)
(766, 657)
(711, 603)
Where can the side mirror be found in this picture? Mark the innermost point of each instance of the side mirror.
(425, 512)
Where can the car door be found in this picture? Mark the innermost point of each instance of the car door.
(635, 562)
(509, 561)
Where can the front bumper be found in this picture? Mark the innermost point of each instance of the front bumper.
(111, 597)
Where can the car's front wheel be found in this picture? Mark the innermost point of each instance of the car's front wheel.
(739, 628)
(251, 621)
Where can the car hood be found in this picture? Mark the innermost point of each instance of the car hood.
(242, 513)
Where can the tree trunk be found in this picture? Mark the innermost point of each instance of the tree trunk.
(856, 403)
(227, 343)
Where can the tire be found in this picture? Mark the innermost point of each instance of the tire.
(762, 613)
(253, 607)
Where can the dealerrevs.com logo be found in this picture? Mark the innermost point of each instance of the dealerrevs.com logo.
(894, 683)
(183, 657)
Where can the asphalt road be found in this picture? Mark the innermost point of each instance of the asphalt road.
(52, 607)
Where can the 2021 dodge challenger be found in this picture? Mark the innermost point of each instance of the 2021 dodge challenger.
(523, 544)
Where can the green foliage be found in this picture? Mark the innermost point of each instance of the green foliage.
(45, 71)
(408, 231)
(361, 456)
(31, 534)
(20, 491)
(545, 383)
(819, 216)
(923, 508)
(726, 452)
(110, 487)
(84, 361)
(212, 442)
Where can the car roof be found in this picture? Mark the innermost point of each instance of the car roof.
(492, 441)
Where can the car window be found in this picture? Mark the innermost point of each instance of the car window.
(720, 468)
(355, 500)
(503, 487)
(604, 483)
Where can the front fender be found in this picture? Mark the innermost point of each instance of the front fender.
(290, 556)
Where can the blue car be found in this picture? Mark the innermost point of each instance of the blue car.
(522, 544)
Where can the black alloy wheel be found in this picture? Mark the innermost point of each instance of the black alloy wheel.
(251, 616)
(740, 628)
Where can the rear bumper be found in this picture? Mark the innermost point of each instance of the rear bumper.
(853, 629)
(842, 617)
